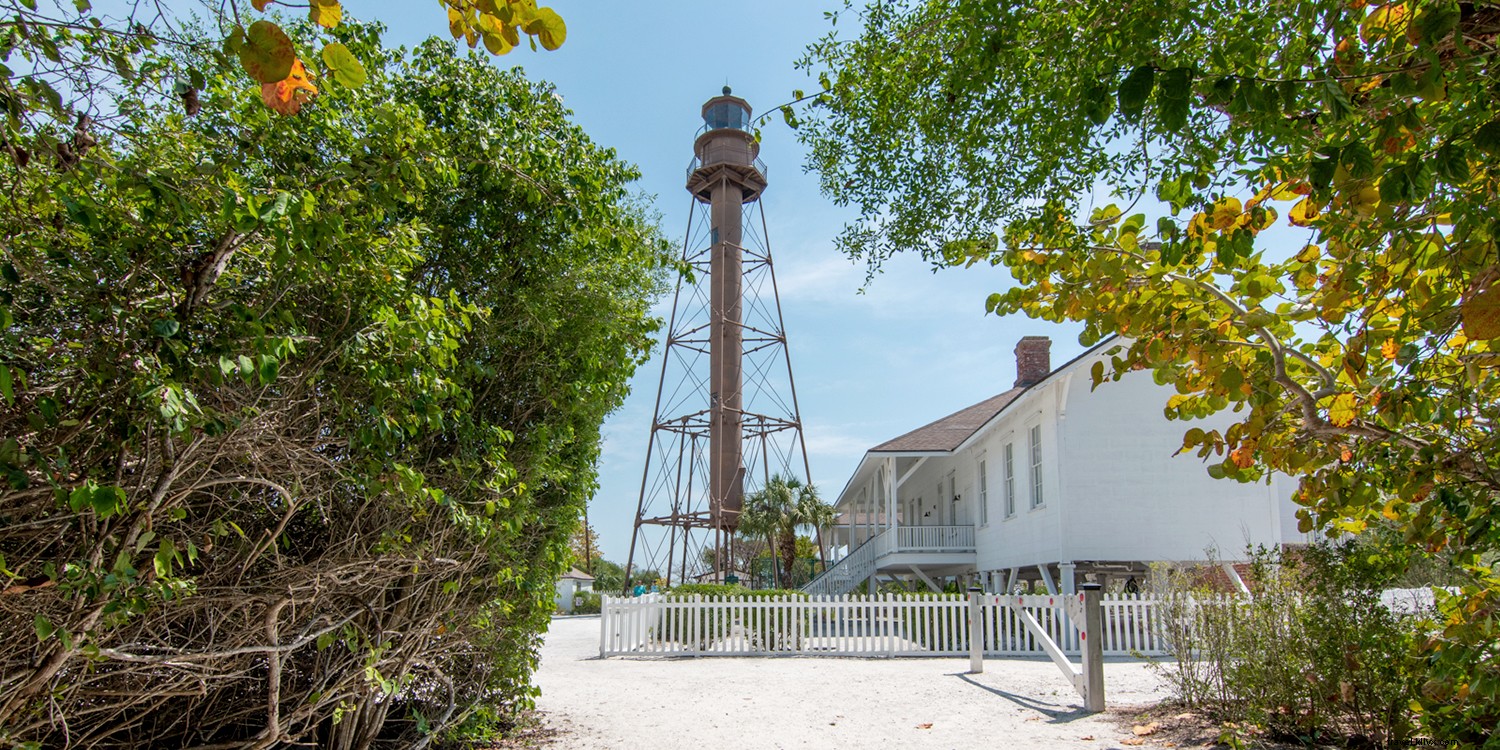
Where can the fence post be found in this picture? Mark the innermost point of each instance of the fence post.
(976, 632)
(1092, 646)
(603, 623)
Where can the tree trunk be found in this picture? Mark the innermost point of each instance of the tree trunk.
(788, 553)
(775, 565)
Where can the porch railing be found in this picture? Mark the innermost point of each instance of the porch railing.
(843, 576)
(934, 539)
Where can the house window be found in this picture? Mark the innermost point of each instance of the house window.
(984, 496)
(1010, 479)
(1036, 466)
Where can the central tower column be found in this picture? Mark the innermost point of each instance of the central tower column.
(726, 175)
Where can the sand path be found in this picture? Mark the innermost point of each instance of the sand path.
(798, 702)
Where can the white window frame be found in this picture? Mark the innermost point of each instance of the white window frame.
(1010, 480)
(984, 493)
(1038, 496)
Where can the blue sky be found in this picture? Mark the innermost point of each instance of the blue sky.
(915, 346)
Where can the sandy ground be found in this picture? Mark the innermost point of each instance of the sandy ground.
(799, 702)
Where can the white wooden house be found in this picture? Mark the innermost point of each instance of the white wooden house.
(569, 586)
(1044, 484)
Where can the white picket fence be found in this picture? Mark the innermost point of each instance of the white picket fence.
(888, 625)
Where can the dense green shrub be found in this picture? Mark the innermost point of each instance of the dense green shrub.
(1311, 654)
(586, 603)
(298, 413)
(732, 589)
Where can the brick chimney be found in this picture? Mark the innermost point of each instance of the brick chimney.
(1033, 360)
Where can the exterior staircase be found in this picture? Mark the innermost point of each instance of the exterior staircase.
(843, 576)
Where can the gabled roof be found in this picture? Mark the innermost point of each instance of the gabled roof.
(577, 574)
(946, 434)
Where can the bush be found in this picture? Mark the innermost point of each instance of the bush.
(731, 589)
(298, 413)
(586, 603)
(1313, 653)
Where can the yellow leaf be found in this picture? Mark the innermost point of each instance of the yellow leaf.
(1198, 226)
(1480, 309)
(1226, 213)
(325, 13)
(1290, 191)
(1366, 200)
(1387, 20)
(1388, 348)
(456, 23)
(1268, 217)
(1342, 412)
(548, 28)
(496, 43)
(287, 96)
(1304, 213)
(1309, 254)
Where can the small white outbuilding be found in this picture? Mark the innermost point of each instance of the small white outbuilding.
(570, 585)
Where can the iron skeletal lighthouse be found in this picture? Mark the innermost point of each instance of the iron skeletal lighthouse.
(726, 417)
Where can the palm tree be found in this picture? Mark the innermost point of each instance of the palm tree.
(777, 510)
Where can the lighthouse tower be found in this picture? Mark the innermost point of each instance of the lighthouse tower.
(726, 416)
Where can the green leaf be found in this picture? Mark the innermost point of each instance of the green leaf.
(1321, 170)
(166, 554)
(7, 389)
(1487, 138)
(269, 368)
(1335, 100)
(1135, 90)
(347, 69)
(1452, 164)
(1435, 23)
(267, 54)
(1174, 97)
(1356, 158)
(165, 328)
(1222, 91)
(1098, 103)
(277, 207)
(44, 627)
(107, 501)
(234, 42)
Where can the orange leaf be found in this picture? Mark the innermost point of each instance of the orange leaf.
(1388, 348)
(260, 4)
(1142, 730)
(288, 95)
(1243, 457)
